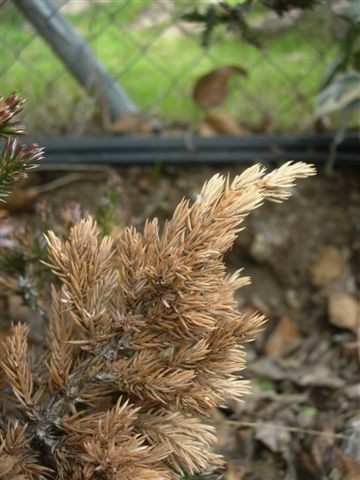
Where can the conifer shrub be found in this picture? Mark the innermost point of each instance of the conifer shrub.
(144, 340)
(15, 157)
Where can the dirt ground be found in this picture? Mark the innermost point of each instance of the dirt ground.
(302, 419)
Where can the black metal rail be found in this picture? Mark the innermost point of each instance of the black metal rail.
(192, 150)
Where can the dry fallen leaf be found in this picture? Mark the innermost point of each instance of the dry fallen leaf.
(132, 123)
(328, 267)
(277, 439)
(344, 310)
(212, 88)
(306, 376)
(220, 123)
(345, 466)
(282, 339)
(206, 130)
(321, 449)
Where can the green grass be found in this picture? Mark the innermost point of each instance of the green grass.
(279, 88)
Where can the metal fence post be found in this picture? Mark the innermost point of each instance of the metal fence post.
(72, 49)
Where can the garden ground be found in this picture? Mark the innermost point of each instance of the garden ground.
(302, 419)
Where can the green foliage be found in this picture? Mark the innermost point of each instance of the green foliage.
(234, 16)
(309, 411)
(156, 172)
(348, 58)
(283, 6)
(266, 385)
(15, 160)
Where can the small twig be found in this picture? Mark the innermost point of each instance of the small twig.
(74, 167)
(62, 182)
(306, 431)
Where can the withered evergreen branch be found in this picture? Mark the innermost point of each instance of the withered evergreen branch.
(9, 108)
(15, 158)
(16, 367)
(17, 456)
(144, 341)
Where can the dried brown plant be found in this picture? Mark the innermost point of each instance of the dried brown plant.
(15, 158)
(144, 341)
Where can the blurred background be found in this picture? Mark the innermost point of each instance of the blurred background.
(138, 102)
(269, 63)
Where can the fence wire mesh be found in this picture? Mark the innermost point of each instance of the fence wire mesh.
(157, 57)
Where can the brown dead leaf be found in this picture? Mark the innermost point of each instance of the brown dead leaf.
(206, 130)
(132, 123)
(328, 267)
(346, 467)
(282, 339)
(212, 88)
(344, 310)
(308, 464)
(220, 123)
(306, 376)
(277, 439)
(353, 391)
(321, 449)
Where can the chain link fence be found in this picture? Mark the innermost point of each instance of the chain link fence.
(158, 57)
